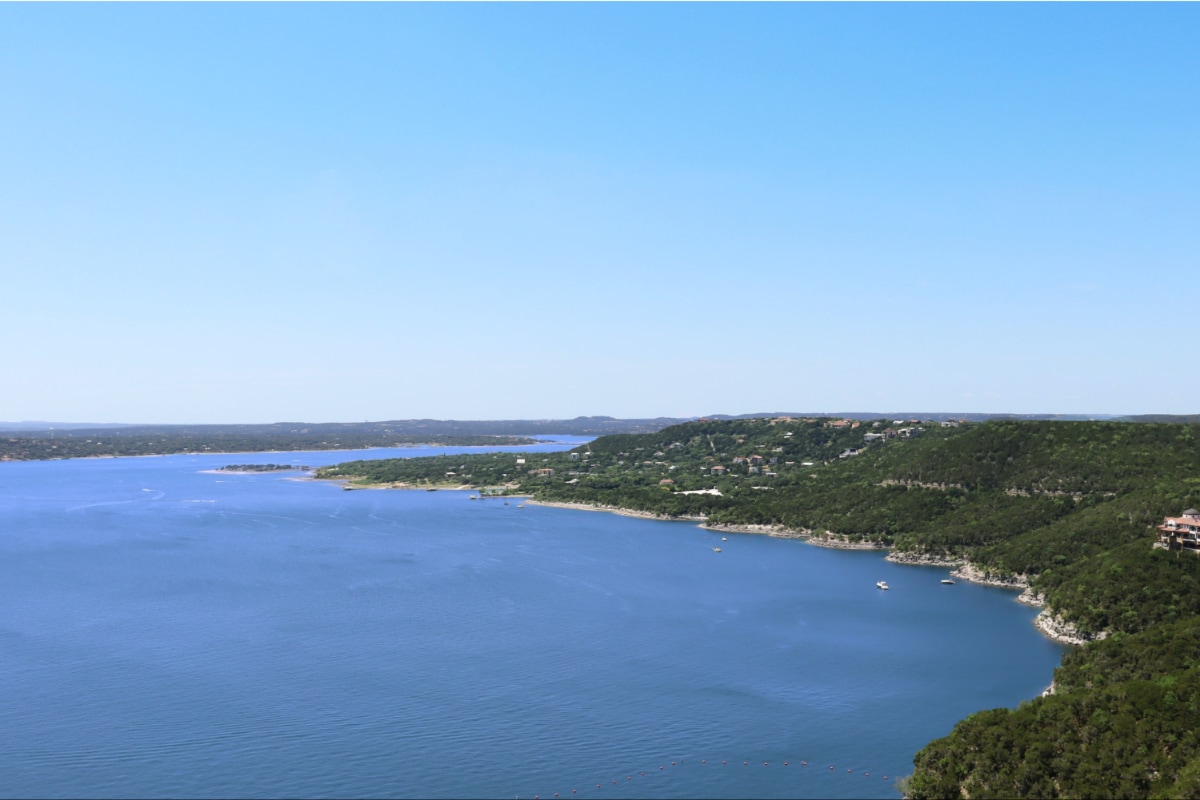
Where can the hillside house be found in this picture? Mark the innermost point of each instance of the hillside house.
(719, 470)
(1181, 533)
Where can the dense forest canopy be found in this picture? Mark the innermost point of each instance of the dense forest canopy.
(1069, 507)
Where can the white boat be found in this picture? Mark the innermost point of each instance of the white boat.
(947, 581)
(716, 549)
(882, 584)
(724, 538)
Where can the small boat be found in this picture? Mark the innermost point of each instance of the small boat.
(474, 497)
(882, 584)
(947, 581)
(520, 505)
(716, 549)
(505, 502)
(724, 538)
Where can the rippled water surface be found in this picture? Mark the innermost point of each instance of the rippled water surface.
(167, 631)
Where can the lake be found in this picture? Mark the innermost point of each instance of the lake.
(170, 631)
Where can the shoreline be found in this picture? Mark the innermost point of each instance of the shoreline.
(623, 512)
(1049, 625)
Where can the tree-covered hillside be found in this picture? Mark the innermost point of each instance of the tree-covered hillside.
(1070, 507)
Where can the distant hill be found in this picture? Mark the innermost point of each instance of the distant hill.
(936, 416)
(1190, 419)
(75, 441)
(59, 426)
(579, 426)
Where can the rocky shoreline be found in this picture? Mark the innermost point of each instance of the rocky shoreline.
(1050, 625)
(969, 572)
(1062, 631)
(841, 543)
(778, 531)
(924, 560)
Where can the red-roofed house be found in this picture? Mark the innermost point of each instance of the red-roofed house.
(1181, 533)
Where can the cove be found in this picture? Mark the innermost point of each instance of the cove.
(168, 631)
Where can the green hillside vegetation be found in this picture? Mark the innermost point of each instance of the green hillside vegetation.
(1070, 507)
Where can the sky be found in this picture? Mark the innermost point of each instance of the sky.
(236, 213)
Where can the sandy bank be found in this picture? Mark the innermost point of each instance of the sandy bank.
(624, 512)
(461, 487)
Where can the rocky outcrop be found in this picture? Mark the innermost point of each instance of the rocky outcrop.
(1032, 599)
(1062, 631)
(924, 559)
(974, 574)
(842, 543)
(768, 530)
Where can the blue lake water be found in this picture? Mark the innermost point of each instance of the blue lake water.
(166, 631)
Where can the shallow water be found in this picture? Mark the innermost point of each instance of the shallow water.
(170, 632)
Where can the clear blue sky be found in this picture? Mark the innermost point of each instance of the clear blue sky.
(253, 213)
